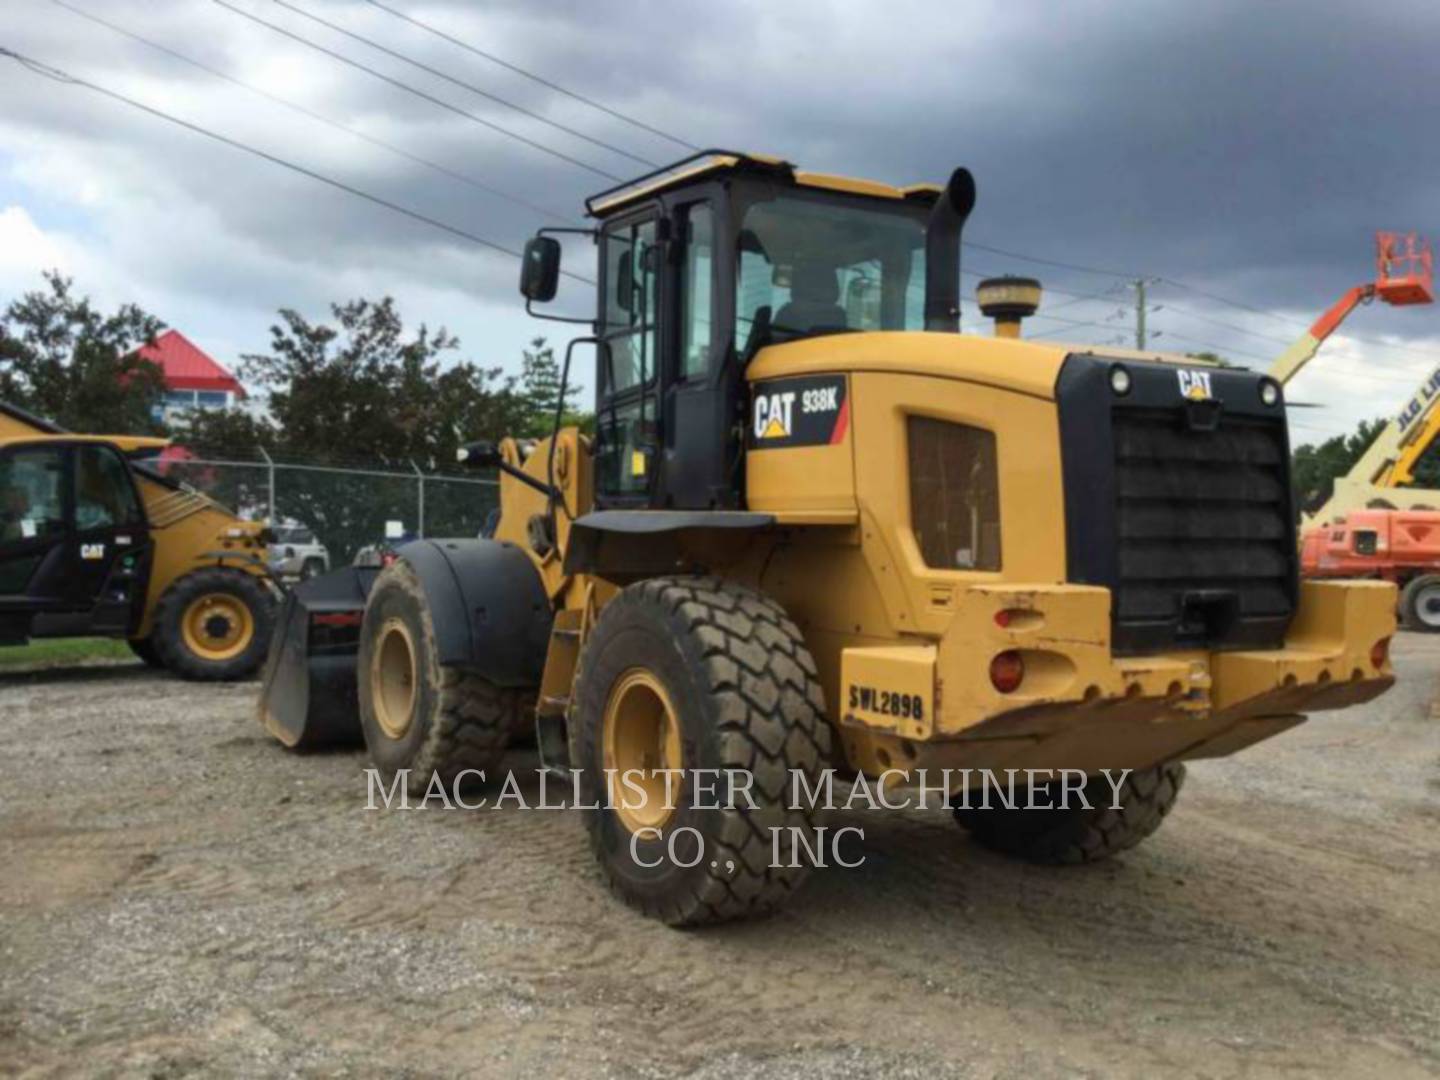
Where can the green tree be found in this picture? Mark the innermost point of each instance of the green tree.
(1316, 468)
(359, 390)
(63, 360)
(540, 378)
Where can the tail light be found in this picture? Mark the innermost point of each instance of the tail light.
(1380, 653)
(1007, 671)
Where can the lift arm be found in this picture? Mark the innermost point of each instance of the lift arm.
(1288, 364)
(1389, 462)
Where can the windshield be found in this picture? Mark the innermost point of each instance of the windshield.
(816, 265)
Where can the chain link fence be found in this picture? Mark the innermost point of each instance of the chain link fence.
(346, 508)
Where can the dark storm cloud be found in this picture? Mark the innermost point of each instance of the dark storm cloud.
(1249, 148)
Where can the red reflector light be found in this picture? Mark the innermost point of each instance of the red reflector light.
(338, 618)
(1002, 619)
(1007, 671)
(1380, 653)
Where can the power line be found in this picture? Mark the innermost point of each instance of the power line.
(1064, 321)
(303, 111)
(1216, 297)
(1046, 262)
(418, 92)
(1374, 342)
(1219, 349)
(1071, 326)
(1189, 313)
(1232, 303)
(54, 73)
(1076, 298)
(508, 66)
(461, 83)
(1330, 363)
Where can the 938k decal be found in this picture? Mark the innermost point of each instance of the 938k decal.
(810, 411)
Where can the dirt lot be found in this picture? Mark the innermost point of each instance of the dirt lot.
(181, 896)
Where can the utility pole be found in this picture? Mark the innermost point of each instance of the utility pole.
(1140, 314)
(1142, 335)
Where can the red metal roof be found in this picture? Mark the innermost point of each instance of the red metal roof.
(186, 367)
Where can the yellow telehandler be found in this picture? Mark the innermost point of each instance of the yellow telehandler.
(819, 529)
(93, 543)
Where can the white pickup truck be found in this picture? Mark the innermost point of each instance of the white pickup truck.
(296, 553)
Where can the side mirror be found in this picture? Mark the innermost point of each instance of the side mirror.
(478, 455)
(540, 269)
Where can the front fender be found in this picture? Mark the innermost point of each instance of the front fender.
(489, 607)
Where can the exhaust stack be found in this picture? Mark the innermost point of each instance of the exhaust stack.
(1008, 300)
(942, 252)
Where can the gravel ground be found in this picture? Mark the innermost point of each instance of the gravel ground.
(182, 896)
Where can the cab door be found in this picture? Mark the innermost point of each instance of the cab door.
(112, 548)
(36, 553)
(627, 420)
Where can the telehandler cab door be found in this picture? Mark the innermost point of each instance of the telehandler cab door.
(112, 539)
(75, 547)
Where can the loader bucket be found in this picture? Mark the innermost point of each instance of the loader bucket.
(309, 696)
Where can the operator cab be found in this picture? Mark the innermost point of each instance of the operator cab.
(704, 263)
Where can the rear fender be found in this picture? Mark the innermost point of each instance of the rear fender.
(489, 606)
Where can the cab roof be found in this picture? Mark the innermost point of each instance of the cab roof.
(709, 163)
(127, 444)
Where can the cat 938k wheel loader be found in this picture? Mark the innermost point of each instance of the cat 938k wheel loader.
(94, 544)
(819, 529)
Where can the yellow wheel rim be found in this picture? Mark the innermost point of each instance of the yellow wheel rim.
(394, 675)
(217, 626)
(641, 741)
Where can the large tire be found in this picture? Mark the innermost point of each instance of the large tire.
(433, 721)
(215, 625)
(1077, 835)
(730, 685)
(1420, 604)
(144, 648)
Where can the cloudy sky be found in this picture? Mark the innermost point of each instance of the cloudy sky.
(1239, 151)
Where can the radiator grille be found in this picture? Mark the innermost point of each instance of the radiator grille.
(1205, 551)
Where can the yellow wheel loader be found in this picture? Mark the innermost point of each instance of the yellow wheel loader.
(820, 533)
(94, 544)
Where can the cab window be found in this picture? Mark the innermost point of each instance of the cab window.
(104, 495)
(815, 265)
(32, 503)
(695, 282)
(632, 277)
